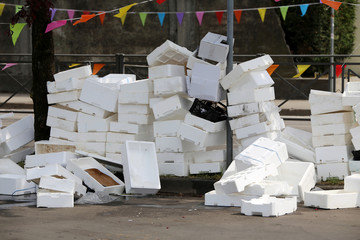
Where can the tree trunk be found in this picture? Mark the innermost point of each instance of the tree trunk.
(43, 67)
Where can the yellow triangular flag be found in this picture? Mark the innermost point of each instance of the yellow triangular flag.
(2, 5)
(123, 11)
(301, 69)
(74, 65)
(262, 12)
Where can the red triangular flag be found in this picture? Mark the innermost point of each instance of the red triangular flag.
(86, 12)
(332, 4)
(339, 69)
(102, 17)
(160, 1)
(237, 14)
(97, 68)
(219, 16)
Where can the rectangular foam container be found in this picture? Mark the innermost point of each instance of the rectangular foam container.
(88, 123)
(87, 108)
(134, 108)
(19, 155)
(167, 128)
(63, 134)
(356, 142)
(192, 60)
(333, 154)
(268, 187)
(243, 109)
(172, 108)
(332, 118)
(326, 102)
(113, 147)
(252, 130)
(134, 118)
(70, 84)
(332, 170)
(297, 150)
(201, 168)
(66, 125)
(167, 70)
(91, 147)
(17, 141)
(331, 129)
(15, 184)
(140, 86)
(209, 156)
(57, 184)
(354, 166)
(332, 140)
(245, 121)
(134, 97)
(17, 128)
(269, 206)
(50, 199)
(254, 95)
(204, 124)
(332, 199)
(214, 47)
(213, 198)
(130, 128)
(45, 146)
(63, 97)
(122, 137)
(60, 158)
(174, 144)
(64, 113)
(176, 169)
(245, 142)
(79, 72)
(352, 183)
(169, 86)
(35, 173)
(252, 80)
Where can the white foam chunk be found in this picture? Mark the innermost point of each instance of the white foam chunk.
(332, 199)
(326, 102)
(169, 86)
(57, 184)
(213, 198)
(167, 70)
(333, 154)
(172, 108)
(49, 199)
(269, 206)
(214, 47)
(60, 158)
(254, 95)
(79, 72)
(15, 184)
(332, 170)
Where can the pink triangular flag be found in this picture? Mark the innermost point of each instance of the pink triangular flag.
(199, 16)
(51, 26)
(71, 14)
(8, 65)
(180, 16)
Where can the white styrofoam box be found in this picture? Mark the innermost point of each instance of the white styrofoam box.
(17, 141)
(268, 187)
(352, 183)
(252, 130)
(298, 151)
(356, 142)
(331, 199)
(332, 170)
(209, 156)
(172, 108)
(252, 80)
(264, 151)
(200, 137)
(79, 72)
(61, 112)
(168, 53)
(243, 109)
(60, 158)
(17, 128)
(205, 82)
(15, 184)
(113, 147)
(349, 99)
(79, 167)
(213, 167)
(91, 137)
(141, 119)
(92, 147)
(153, 101)
(213, 198)
(298, 136)
(245, 142)
(167, 70)
(354, 166)
(115, 157)
(169, 86)
(204, 124)
(245, 121)
(19, 156)
(53, 122)
(333, 154)
(57, 184)
(355, 131)
(50, 199)
(7, 166)
(166, 128)
(46, 146)
(129, 128)
(63, 97)
(163, 157)
(326, 102)
(61, 141)
(88, 123)
(269, 206)
(356, 108)
(144, 85)
(117, 79)
(134, 97)
(70, 84)
(140, 167)
(332, 118)
(331, 140)
(254, 95)
(257, 64)
(192, 60)
(331, 129)
(7, 115)
(174, 144)
(134, 108)
(176, 169)
(122, 137)
(214, 47)
(87, 108)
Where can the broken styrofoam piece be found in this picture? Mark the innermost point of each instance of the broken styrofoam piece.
(214, 47)
(298, 151)
(326, 102)
(129, 128)
(269, 206)
(169, 86)
(61, 112)
(333, 154)
(7, 166)
(332, 199)
(172, 108)
(15, 184)
(174, 144)
(87, 108)
(209, 156)
(352, 183)
(19, 156)
(17, 128)
(79, 167)
(79, 72)
(133, 108)
(139, 86)
(46, 146)
(70, 84)
(167, 128)
(213, 198)
(332, 170)
(63, 97)
(66, 125)
(168, 53)
(243, 109)
(257, 64)
(210, 167)
(252, 80)
(140, 167)
(50, 199)
(60, 158)
(132, 118)
(268, 187)
(332, 118)
(331, 140)
(57, 184)
(165, 71)
(331, 129)
(204, 124)
(254, 95)
(245, 121)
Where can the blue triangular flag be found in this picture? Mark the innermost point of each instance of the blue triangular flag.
(303, 8)
(161, 16)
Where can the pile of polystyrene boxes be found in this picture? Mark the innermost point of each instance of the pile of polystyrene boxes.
(331, 122)
(258, 176)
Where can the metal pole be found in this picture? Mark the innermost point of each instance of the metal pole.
(331, 73)
(229, 67)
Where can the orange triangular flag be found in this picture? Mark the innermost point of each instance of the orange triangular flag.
(97, 68)
(102, 17)
(332, 4)
(237, 14)
(84, 18)
(272, 69)
(219, 16)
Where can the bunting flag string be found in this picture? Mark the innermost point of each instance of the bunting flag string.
(2, 6)
(97, 67)
(180, 17)
(262, 12)
(199, 16)
(7, 65)
(283, 11)
(143, 18)
(53, 25)
(332, 4)
(71, 14)
(272, 69)
(339, 69)
(16, 30)
(53, 11)
(237, 14)
(102, 17)
(219, 16)
(74, 65)
(84, 18)
(161, 18)
(301, 70)
(18, 8)
(304, 8)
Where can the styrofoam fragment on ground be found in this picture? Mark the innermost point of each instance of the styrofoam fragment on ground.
(352, 183)
(331, 129)
(331, 140)
(167, 128)
(254, 95)
(70, 84)
(354, 166)
(17, 141)
(167, 70)
(134, 108)
(78, 167)
(19, 156)
(140, 167)
(79, 72)
(326, 102)
(60, 158)
(204, 124)
(15, 184)
(53, 122)
(63, 97)
(298, 151)
(245, 121)
(141, 119)
(243, 109)
(268, 187)
(211, 167)
(269, 206)
(257, 64)
(209, 156)
(7, 166)
(213, 198)
(169, 86)
(333, 154)
(50, 199)
(245, 142)
(174, 144)
(92, 147)
(332, 170)
(129, 128)
(58, 111)
(172, 108)
(332, 199)
(57, 184)
(134, 97)
(214, 47)
(87, 108)
(16, 128)
(332, 118)
(88, 123)
(252, 80)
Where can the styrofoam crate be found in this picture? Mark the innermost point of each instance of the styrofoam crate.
(172, 108)
(63, 97)
(332, 170)
(326, 102)
(63, 134)
(174, 144)
(79, 72)
(213, 167)
(245, 142)
(15, 184)
(112, 147)
(60, 158)
(144, 85)
(168, 53)
(134, 108)
(45, 146)
(91, 137)
(88, 123)
(61, 141)
(331, 129)
(298, 151)
(252, 130)
(268, 187)
(177, 169)
(70, 84)
(254, 95)
(58, 111)
(155, 100)
(19, 156)
(257, 64)
(87, 108)
(200, 137)
(167, 128)
(331, 199)
(349, 99)
(92, 147)
(298, 136)
(209, 156)
(57, 184)
(243, 109)
(134, 97)
(66, 125)
(17, 128)
(122, 137)
(165, 71)
(252, 80)
(331, 140)
(245, 121)
(355, 131)
(352, 183)
(214, 47)
(332, 118)
(204, 124)
(225, 200)
(269, 206)
(50, 199)
(169, 86)
(191, 62)
(140, 167)
(140, 119)
(356, 142)
(117, 79)
(356, 108)
(333, 154)
(79, 167)
(7, 166)
(129, 128)
(163, 157)
(17, 141)
(354, 166)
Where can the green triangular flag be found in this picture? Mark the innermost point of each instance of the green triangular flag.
(16, 30)
(283, 11)
(18, 8)
(143, 18)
